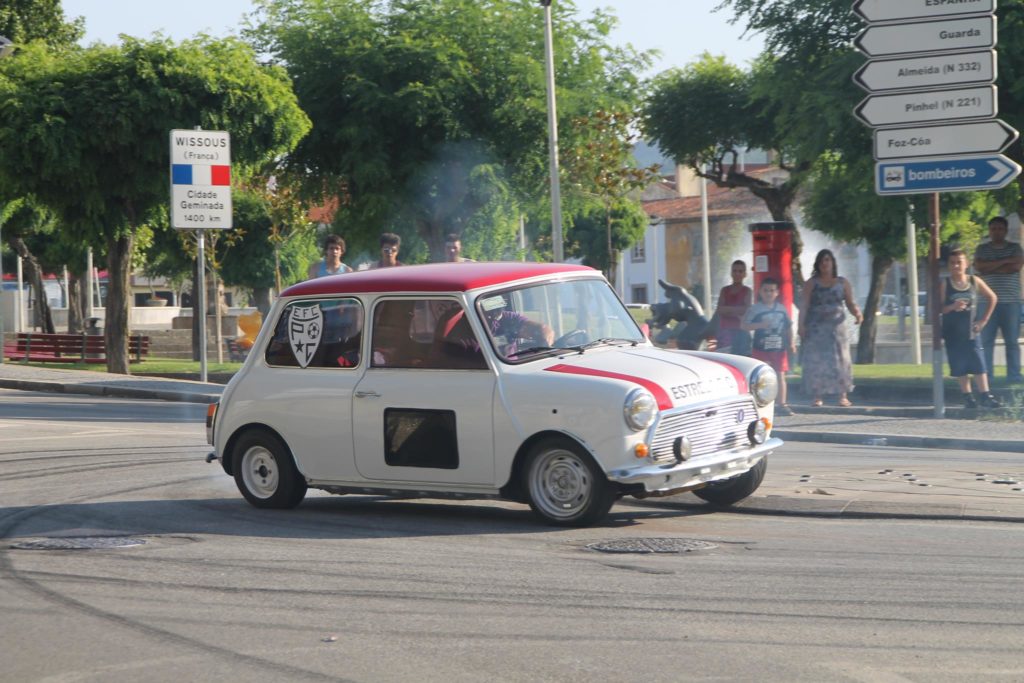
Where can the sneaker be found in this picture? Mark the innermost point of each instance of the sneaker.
(969, 402)
(783, 410)
(990, 401)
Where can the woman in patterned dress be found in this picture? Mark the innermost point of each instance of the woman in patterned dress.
(825, 347)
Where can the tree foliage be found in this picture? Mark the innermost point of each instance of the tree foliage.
(603, 169)
(23, 21)
(427, 113)
(86, 132)
(709, 113)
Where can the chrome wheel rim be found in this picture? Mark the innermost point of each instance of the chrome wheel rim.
(560, 484)
(259, 472)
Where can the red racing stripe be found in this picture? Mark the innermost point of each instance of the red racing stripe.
(660, 395)
(741, 381)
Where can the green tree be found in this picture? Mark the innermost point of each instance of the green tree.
(23, 21)
(267, 256)
(87, 133)
(602, 168)
(427, 113)
(21, 220)
(707, 114)
(624, 220)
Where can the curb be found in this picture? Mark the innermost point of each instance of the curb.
(109, 391)
(900, 441)
(833, 509)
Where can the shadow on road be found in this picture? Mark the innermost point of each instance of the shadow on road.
(318, 518)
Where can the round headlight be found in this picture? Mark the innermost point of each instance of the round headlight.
(764, 385)
(640, 409)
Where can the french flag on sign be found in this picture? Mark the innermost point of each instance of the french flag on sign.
(200, 174)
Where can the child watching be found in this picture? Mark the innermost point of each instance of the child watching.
(773, 336)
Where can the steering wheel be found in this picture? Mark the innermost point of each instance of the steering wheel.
(572, 338)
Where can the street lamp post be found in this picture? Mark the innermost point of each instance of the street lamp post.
(6, 48)
(556, 193)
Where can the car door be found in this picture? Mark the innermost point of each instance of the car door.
(422, 410)
(314, 360)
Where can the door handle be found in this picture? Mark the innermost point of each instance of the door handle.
(367, 394)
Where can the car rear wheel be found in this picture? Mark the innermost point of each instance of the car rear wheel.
(734, 490)
(565, 486)
(265, 472)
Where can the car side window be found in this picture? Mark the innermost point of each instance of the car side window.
(424, 333)
(324, 333)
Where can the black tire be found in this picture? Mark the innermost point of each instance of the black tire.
(731, 491)
(265, 472)
(563, 484)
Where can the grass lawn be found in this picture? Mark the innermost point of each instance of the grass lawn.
(150, 366)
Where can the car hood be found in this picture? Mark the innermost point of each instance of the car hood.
(675, 378)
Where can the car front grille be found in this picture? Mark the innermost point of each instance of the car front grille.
(710, 429)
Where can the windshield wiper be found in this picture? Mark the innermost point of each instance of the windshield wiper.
(598, 342)
(534, 349)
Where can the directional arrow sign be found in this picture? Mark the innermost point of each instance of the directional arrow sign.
(976, 137)
(927, 36)
(901, 10)
(950, 174)
(921, 107)
(931, 71)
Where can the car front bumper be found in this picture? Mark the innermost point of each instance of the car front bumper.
(695, 473)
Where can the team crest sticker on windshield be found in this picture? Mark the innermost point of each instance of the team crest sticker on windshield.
(305, 328)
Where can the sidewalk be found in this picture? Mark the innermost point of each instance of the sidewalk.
(912, 483)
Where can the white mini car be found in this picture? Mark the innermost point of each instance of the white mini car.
(523, 381)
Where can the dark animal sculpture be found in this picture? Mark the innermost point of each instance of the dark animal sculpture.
(691, 327)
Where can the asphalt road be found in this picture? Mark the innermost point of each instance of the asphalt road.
(359, 588)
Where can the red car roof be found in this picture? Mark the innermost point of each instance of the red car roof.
(431, 277)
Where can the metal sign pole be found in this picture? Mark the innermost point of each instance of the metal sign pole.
(915, 319)
(935, 306)
(201, 286)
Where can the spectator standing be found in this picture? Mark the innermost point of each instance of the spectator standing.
(453, 249)
(825, 346)
(960, 328)
(999, 262)
(330, 264)
(733, 301)
(389, 245)
(773, 336)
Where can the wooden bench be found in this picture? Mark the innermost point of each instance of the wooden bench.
(39, 347)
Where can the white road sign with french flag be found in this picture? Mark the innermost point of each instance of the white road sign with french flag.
(200, 179)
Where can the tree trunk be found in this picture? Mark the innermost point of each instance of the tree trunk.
(35, 279)
(880, 266)
(115, 329)
(261, 298)
(75, 314)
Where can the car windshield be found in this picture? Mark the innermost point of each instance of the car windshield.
(538, 320)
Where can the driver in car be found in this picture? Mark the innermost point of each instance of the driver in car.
(508, 327)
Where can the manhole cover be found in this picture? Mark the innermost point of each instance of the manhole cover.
(80, 543)
(651, 545)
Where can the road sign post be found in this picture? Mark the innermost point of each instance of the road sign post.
(913, 10)
(948, 174)
(201, 200)
(930, 45)
(928, 71)
(935, 105)
(972, 137)
(945, 35)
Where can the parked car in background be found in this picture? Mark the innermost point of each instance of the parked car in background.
(922, 305)
(523, 381)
